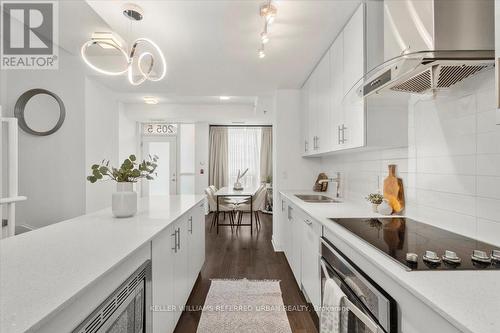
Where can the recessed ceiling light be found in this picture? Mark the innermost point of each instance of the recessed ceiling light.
(224, 98)
(150, 100)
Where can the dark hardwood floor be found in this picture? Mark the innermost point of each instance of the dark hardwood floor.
(237, 255)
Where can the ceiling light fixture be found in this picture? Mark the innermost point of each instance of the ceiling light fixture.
(268, 11)
(143, 61)
(262, 54)
(150, 100)
(224, 98)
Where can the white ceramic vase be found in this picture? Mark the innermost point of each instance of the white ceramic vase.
(124, 200)
(375, 207)
(384, 208)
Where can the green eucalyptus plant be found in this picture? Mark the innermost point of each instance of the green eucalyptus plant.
(375, 198)
(130, 171)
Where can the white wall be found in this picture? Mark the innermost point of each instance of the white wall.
(128, 135)
(201, 157)
(291, 171)
(451, 169)
(101, 140)
(51, 168)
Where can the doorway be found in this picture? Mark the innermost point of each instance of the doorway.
(165, 182)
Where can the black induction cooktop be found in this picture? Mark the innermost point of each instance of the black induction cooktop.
(408, 242)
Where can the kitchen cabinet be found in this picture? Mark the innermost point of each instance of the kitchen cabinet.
(291, 239)
(196, 242)
(177, 255)
(310, 259)
(338, 119)
(304, 119)
(316, 109)
(301, 244)
(336, 90)
(162, 270)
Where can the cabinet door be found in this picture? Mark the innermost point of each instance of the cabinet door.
(296, 246)
(353, 133)
(323, 104)
(337, 90)
(196, 235)
(304, 119)
(354, 49)
(162, 254)
(311, 274)
(312, 119)
(181, 281)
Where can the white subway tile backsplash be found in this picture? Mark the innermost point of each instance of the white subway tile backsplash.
(488, 164)
(451, 167)
(488, 208)
(458, 203)
(488, 187)
(487, 121)
(488, 143)
(458, 184)
(488, 231)
(456, 165)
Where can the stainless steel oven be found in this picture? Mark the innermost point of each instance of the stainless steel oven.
(126, 310)
(370, 308)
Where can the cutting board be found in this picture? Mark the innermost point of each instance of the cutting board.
(393, 190)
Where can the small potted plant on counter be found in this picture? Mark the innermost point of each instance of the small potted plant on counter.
(124, 200)
(376, 199)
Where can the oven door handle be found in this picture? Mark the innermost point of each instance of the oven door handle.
(369, 323)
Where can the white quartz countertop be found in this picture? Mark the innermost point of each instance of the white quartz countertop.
(469, 300)
(43, 270)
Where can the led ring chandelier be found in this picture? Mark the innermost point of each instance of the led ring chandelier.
(145, 60)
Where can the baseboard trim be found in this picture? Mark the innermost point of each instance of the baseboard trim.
(275, 247)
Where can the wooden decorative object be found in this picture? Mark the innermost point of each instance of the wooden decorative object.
(393, 190)
(321, 187)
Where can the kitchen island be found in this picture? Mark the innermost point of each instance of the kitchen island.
(51, 272)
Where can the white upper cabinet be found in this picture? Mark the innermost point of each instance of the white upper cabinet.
(336, 90)
(354, 54)
(353, 129)
(304, 119)
(322, 116)
(336, 118)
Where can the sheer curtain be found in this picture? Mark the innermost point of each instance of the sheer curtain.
(244, 152)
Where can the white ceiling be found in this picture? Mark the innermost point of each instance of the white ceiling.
(211, 46)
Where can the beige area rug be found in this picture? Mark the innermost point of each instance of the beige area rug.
(244, 306)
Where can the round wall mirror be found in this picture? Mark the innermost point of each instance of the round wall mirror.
(40, 112)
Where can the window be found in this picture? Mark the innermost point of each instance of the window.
(243, 153)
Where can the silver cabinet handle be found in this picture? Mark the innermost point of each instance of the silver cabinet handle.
(179, 238)
(317, 142)
(305, 146)
(175, 241)
(191, 225)
(343, 133)
(338, 135)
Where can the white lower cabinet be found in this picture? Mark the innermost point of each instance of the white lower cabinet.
(177, 254)
(301, 245)
(310, 256)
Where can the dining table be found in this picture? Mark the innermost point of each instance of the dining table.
(230, 192)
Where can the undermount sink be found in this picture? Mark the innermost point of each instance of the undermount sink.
(316, 198)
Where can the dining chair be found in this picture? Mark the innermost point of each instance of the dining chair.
(258, 202)
(223, 207)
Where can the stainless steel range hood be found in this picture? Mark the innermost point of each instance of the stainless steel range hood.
(430, 45)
